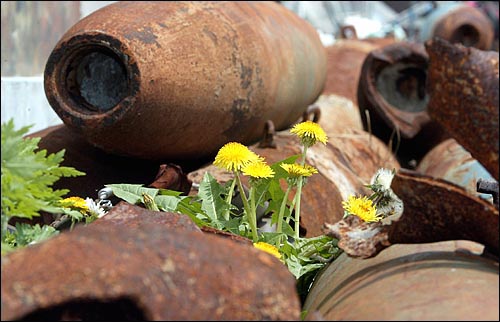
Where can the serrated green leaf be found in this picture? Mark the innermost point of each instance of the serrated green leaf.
(212, 203)
(167, 203)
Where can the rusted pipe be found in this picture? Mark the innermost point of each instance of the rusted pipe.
(177, 80)
(393, 101)
(438, 281)
(463, 91)
(104, 272)
(459, 24)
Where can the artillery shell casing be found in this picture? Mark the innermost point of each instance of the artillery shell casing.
(178, 80)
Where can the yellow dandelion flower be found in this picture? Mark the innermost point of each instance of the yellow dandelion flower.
(297, 170)
(309, 132)
(258, 169)
(76, 203)
(233, 156)
(268, 248)
(361, 207)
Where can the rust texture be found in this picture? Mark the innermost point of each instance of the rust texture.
(161, 273)
(437, 210)
(142, 78)
(392, 99)
(338, 114)
(451, 162)
(463, 90)
(172, 177)
(425, 282)
(465, 25)
(358, 238)
(126, 215)
(344, 61)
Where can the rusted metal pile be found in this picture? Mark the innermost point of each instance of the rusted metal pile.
(184, 78)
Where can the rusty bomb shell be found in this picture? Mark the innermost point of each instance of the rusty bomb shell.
(426, 282)
(147, 273)
(392, 99)
(177, 80)
(459, 24)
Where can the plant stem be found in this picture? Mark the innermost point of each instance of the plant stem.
(297, 196)
(297, 208)
(279, 227)
(229, 199)
(250, 216)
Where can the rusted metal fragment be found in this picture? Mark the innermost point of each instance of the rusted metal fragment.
(125, 214)
(451, 162)
(441, 281)
(338, 114)
(164, 274)
(157, 72)
(358, 238)
(437, 210)
(463, 89)
(172, 177)
(467, 26)
(344, 61)
(392, 99)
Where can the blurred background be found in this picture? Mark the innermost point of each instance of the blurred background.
(31, 29)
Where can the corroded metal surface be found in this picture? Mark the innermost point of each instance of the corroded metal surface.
(465, 25)
(392, 87)
(338, 114)
(437, 210)
(463, 89)
(161, 273)
(451, 162)
(426, 282)
(344, 61)
(432, 210)
(393, 101)
(126, 215)
(161, 80)
(172, 177)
